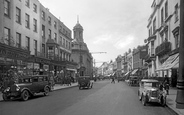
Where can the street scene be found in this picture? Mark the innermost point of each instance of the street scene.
(105, 98)
(100, 57)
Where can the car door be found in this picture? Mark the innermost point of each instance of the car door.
(35, 84)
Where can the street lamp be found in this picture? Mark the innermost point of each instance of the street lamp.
(180, 80)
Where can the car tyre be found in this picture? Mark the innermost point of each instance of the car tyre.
(5, 98)
(25, 95)
(46, 90)
(144, 100)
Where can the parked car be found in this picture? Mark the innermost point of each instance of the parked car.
(27, 87)
(150, 91)
(85, 81)
(133, 81)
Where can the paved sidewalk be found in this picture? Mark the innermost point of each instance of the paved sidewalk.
(171, 101)
(56, 87)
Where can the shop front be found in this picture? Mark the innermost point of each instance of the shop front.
(13, 63)
(38, 65)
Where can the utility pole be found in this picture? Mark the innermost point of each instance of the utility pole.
(180, 80)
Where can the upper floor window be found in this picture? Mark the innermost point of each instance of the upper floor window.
(27, 3)
(43, 49)
(43, 31)
(27, 43)
(55, 24)
(176, 12)
(35, 47)
(162, 16)
(177, 40)
(18, 40)
(49, 20)
(18, 15)
(34, 25)
(35, 8)
(6, 8)
(166, 9)
(154, 25)
(43, 15)
(166, 35)
(49, 34)
(55, 37)
(7, 36)
(152, 47)
(27, 20)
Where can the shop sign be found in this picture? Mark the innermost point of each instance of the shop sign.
(30, 65)
(36, 66)
(46, 67)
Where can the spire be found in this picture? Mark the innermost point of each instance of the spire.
(77, 19)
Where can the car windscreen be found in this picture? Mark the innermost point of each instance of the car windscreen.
(151, 84)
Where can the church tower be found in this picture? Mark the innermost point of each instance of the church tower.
(78, 32)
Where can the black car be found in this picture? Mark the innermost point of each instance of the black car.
(27, 87)
(85, 81)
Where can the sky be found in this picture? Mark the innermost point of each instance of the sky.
(111, 26)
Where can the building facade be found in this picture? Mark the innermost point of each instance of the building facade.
(80, 52)
(163, 40)
(33, 41)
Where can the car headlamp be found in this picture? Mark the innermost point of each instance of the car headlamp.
(17, 88)
(7, 89)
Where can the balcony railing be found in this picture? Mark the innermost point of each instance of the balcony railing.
(163, 48)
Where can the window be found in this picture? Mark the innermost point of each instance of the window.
(55, 37)
(55, 24)
(49, 34)
(43, 31)
(43, 15)
(7, 36)
(43, 49)
(18, 15)
(154, 25)
(7, 8)
(166, 10)
(61, 41)
(81, 59)
(27, 3)
(66, 44)
(34, 25)
(35, 8)
(152, 47)
(27, 21)
(35, 47)
(18, 40)
(49, 20)
(28, 43)
(176, 12)
(162, 16)
(166, 35)
(177, 41)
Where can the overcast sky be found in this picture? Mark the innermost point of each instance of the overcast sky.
(111, 26)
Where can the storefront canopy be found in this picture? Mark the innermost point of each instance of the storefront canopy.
(170, 62)
(127, 73)
(134, 71)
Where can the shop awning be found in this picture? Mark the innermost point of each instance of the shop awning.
(134, 71)
(170, 62)
(70, 69)
(127, 73)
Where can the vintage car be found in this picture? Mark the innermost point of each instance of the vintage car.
(27, 87)
(85, 81)
(150, 91)
(133, 80)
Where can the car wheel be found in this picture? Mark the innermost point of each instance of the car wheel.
(144, 100)
(46, 90)
(25, 95)
(5, 98)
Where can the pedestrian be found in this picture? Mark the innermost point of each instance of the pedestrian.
(113, 81)
(166, 84)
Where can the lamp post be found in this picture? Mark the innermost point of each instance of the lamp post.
(180, 80)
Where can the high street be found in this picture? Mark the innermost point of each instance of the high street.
(103, 99)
